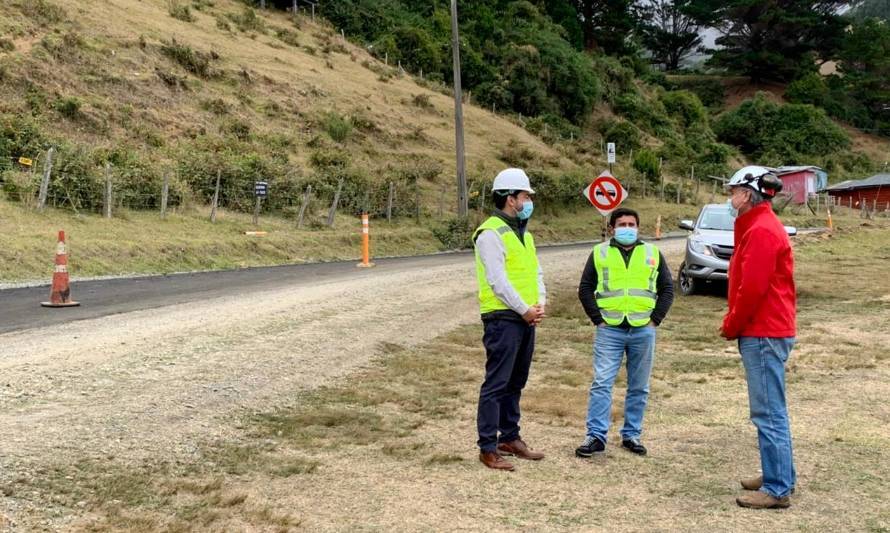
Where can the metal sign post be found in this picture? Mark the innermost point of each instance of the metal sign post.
(605, 193)
(260, 190)
(610, 155)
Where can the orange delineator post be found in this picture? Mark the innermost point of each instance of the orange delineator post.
(658, 228)
(830, 225)
(366, 244)
(60, 294)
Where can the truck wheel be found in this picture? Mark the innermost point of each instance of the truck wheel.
(688, 284)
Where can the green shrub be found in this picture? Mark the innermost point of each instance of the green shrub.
(6, 45)
(710, 90)
(811, 89)
(20, 136)
(517, 155)
(625, 135)
(779, 133)
(42, 11)
(337, 126)
(198, 63)
(422, 101)
(180, 11)
(248, 20)
(217, 106)
(288, 37)
(646, 163)
(685, 107)
(327, 159)
(454, 233)
(68, 107)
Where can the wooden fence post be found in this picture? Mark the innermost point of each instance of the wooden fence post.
(108, 197)
(215, 203)
(165, 193)
(392, 191)
(307, 197)
(44, 183)
(333, 212)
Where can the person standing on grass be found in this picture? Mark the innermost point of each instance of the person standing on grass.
(511, 300)
(761, 316)
(626, 290)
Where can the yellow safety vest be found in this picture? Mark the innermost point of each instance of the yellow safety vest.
(626, 291)
(521, 265)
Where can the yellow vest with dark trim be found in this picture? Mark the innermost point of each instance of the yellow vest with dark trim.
(520, 262)
(626, 291)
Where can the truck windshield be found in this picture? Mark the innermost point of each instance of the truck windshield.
(716, 218)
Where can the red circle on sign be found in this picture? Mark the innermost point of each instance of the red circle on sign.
(597, 185)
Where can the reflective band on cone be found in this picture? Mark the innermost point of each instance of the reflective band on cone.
(60, 294)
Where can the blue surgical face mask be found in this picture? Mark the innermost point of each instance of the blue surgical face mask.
(526, 211)
(733, 212)
(626, 236)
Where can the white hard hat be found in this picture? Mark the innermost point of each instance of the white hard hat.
(758, 178)
(512, 179)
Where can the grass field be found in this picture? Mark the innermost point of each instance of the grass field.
(392, 447)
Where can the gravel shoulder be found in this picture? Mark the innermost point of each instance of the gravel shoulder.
(158, 382)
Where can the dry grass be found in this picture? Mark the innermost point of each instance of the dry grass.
(265, 64)
(375, 451)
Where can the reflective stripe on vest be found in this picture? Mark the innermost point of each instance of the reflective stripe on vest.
(520, 263)
(626, 291)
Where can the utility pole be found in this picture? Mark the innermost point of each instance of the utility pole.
(462, 205)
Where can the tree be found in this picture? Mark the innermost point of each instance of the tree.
(670, 31)
(872, 8)
(865, 65)
(774, 39)
(606, 24)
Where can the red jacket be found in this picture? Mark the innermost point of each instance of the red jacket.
(762, 297)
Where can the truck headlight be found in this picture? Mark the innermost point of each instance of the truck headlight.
(699, 247)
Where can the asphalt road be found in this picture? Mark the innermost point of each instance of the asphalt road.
(20, 308)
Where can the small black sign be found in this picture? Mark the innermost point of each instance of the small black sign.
(261, 189)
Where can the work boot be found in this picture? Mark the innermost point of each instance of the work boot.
(762, 500)
(494, 461)
(519, 449)
(752, 483)
(755, 484)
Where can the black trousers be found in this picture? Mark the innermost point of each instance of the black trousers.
(509, 346)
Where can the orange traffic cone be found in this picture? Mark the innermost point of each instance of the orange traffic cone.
(60, 295)
(366, 246)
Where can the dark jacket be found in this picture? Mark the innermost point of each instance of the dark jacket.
(664, 285)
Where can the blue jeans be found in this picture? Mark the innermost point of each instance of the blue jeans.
(764, 360)
(609, 348)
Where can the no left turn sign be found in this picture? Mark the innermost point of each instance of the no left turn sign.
(605, 193)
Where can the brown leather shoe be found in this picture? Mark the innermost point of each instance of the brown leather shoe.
(755, 484)
(495, 461)
(762, 500)
(752, 484)
(519, 449)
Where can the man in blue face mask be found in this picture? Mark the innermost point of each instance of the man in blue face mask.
(626, 290)
(511, 302)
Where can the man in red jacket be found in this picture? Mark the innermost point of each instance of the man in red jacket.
(761, 315)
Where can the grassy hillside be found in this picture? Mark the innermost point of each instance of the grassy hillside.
(140, 90)
(253, 95)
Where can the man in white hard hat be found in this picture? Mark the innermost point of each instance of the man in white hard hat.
(761, 315)
(511, 301)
